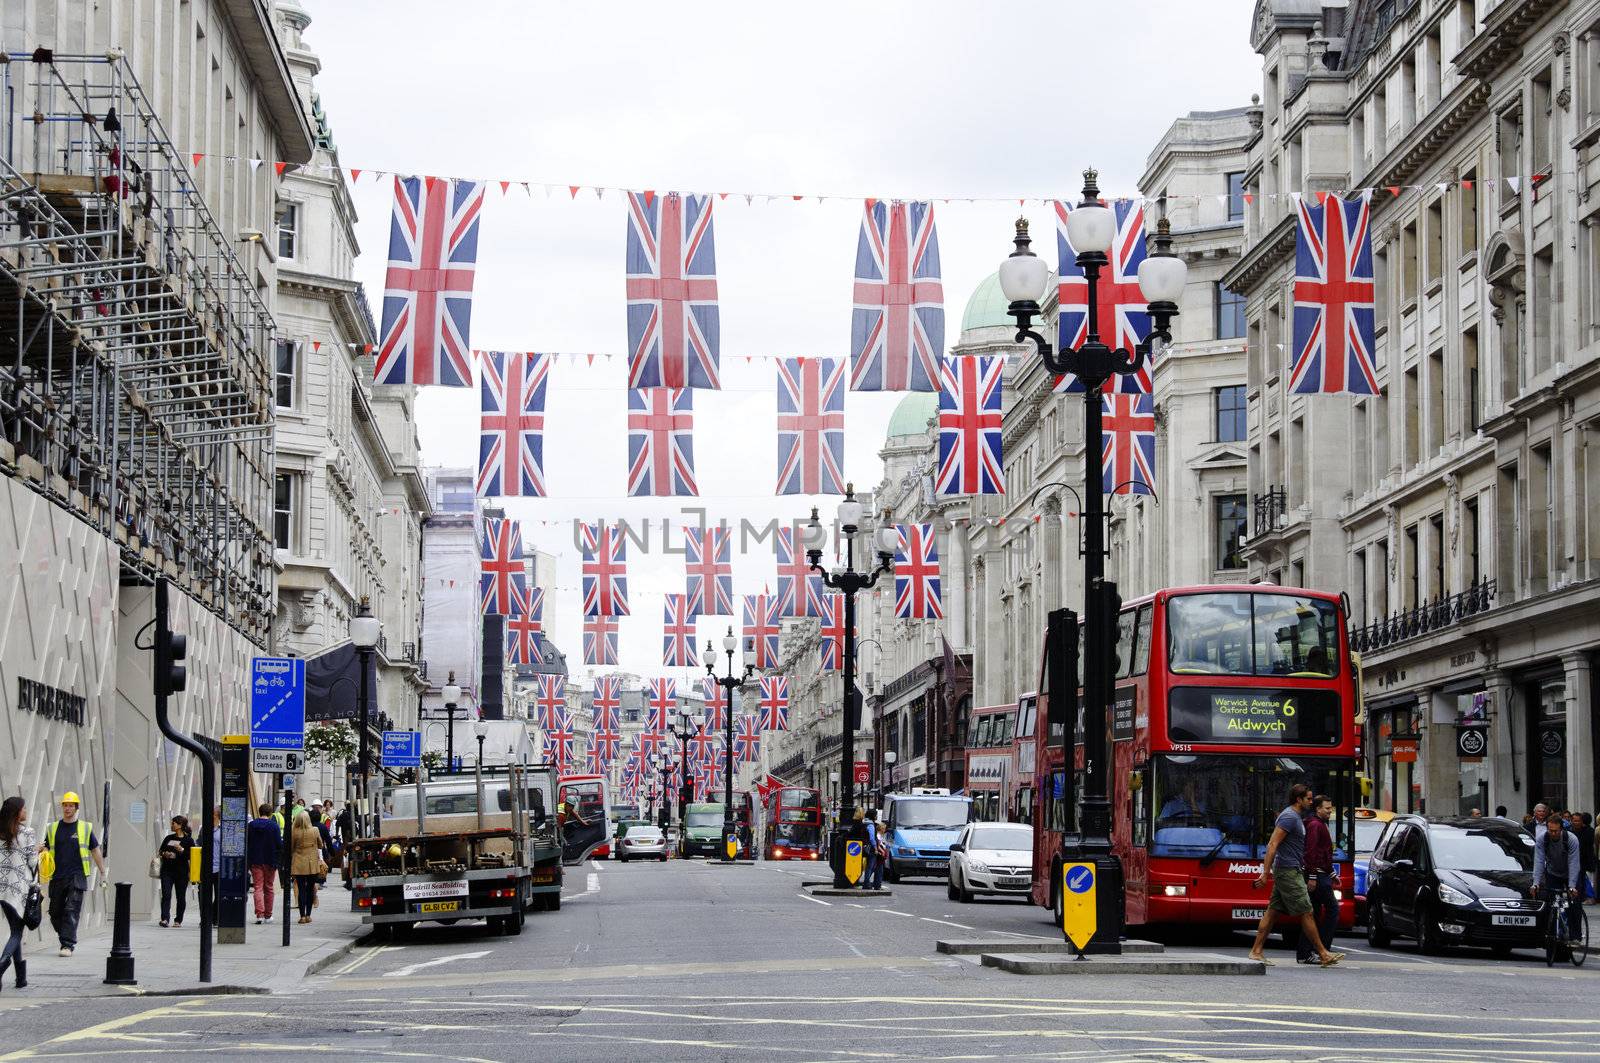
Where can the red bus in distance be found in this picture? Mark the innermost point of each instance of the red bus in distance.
(792, 824)
(1223, 697)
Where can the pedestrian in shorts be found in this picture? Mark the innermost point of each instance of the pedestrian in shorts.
(1285, 866)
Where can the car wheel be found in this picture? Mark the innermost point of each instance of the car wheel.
(1429, 938)
(950, 886)
(966, 893)
(662, 858)
(1378, 935)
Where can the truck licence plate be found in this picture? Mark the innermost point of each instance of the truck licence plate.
(1252, 914)
(1513, 920)
(439, 906)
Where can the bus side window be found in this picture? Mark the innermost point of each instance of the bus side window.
(1137, 806)
(1125, 643)
(1141, 643)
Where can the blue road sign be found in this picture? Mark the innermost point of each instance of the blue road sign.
(402, 749)
(1080, 878)
(277, 703)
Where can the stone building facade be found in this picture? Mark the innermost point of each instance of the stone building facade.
(1457, 508)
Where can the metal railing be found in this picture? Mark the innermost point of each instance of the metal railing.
(1269, 510)
(1442, 612)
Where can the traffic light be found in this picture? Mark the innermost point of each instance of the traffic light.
(170, 648)
(852, 705)
(1061, 667)
(1109, 604)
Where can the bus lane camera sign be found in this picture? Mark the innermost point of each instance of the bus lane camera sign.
(1078, 918)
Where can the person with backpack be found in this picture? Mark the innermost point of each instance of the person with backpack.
(72, 845)
(19, 863)
(877, 851)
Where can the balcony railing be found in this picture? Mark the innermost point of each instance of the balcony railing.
(1270, 508)
(408, 651)
(1436, 615)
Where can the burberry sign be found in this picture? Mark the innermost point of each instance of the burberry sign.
(50, 702)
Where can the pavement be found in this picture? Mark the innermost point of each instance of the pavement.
(679, 961)
(167, 959)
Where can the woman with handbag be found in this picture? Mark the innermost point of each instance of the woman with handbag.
(174, 857)
(20, 898)
(306, 861)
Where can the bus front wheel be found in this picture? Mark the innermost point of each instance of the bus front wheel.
(1057, 916)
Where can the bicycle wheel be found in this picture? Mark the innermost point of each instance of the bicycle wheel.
(1552, 933)
(1578, 929)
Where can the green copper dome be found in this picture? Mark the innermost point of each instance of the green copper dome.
(912, 415)
(987, 306)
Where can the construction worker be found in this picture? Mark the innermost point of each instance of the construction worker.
(71, 843)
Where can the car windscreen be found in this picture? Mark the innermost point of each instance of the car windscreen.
(703, 819)
(1488, 849)
(1019, 838)
(1368, 831)
(930, 814)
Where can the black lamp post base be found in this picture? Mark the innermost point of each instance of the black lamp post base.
(1110, 900)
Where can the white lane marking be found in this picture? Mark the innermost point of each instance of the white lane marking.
(595, 864)
(593, 884)
(359, 960)
(412, 968)
(891, 911)
(815, 900)
(1399, 956)
(946, 922)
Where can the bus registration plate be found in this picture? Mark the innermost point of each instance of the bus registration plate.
(1250, 914)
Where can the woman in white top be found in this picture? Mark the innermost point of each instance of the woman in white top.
(19, 865)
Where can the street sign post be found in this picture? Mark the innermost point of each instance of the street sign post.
(853, 861)
(1078, 916)
(402, 749)
(278, 703)
(276, 761)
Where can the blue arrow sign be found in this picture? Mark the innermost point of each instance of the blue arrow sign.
(277, 703)
(1080, 878)
(402, 749)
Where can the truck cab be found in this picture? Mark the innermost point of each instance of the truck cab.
(919, 827)
(702, 829)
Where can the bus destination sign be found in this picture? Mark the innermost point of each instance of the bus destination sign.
(1254, 716)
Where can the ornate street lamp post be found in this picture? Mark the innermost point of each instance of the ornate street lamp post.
(452, 697)
(848, 583)
(364, 632)
(1091, 227)
(728, 682)
(681, 729)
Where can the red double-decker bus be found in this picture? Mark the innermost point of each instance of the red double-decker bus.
(1223, 698)
(791, 826)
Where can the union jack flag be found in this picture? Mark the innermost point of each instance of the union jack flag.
(606, 702)
(560, 742)
(511, 424)
(1128, 453)
(761, 626)
(774, 703)
(550, 700)
(525, 625)
(427, 295)
(673, 327)
(916, 574)
(800, 587)
(810, 426)
(833, 628)
(660, 705)
(707, 560)
(661, 442)
(1121, 310)
(605, 571)
(599, 640)
(503, 574)
(711, 777)
(678, 641)
(1333, 299)
(897, 330)
(702, 746)
(969, 426)
(713, 696)
(747, 738)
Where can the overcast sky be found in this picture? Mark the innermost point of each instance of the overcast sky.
(933, 99)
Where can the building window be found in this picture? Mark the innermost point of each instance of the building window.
(288, 230)
(1233, 414)
(1236, 196)
(284, 373)
(1230, 314)
(1231, 526)
(283, 505)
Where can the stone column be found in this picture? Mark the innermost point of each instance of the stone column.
(1050, 536)
(982, 615)
(954, 584)
(1441, 773)
(1505, 774)
(1580, 730)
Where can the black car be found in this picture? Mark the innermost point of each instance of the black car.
(1454, 881)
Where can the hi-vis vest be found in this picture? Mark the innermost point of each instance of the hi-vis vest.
(84, 830)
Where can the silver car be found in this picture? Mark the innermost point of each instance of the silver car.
(991, 858)
(642, 842)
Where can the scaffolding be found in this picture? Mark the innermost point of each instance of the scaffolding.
(135, 381)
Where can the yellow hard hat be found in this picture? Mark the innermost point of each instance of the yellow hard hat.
(70, 798)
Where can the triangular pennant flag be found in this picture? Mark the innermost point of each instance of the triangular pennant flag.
(255, 164)
(749, 199)
(279, 166)
(1514, 183)
(649, 197)
(722, 195)
(1443, 186)
(599, 193)
(505, 186)
(194, 160)
(367, 349)
(1466, 186)
(355, 175)
(316, 346)
(527, 189)
(1249, 197)
(590, 357)
(798, 198)
(574, 190)
(1393, 190)
(871, 202)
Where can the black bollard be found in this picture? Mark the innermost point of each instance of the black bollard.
(119, 965)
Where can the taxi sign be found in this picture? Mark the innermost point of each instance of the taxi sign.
(854, 861)
(1078, 920)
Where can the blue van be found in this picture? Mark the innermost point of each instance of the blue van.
(919, 827)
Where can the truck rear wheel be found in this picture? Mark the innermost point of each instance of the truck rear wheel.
(552, 902)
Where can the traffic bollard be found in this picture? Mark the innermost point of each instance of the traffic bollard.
(119, 965)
